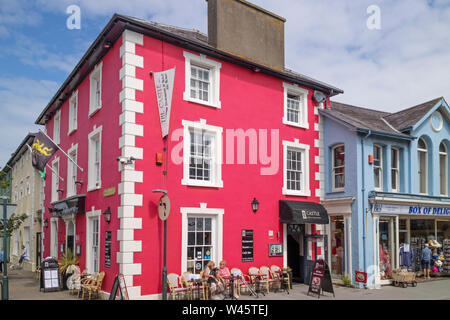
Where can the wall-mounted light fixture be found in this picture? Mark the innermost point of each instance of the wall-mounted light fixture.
(125, 160)
(107, 215)
(255, 205)
(79, 183)
(46, 223)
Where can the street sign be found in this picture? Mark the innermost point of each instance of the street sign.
(164, 207)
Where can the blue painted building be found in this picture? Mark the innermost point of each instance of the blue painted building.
(386, 185)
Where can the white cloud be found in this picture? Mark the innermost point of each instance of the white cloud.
(21, 101)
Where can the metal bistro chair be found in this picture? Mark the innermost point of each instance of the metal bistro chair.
(277, 270)
(95, 286)
(257, 279)
(175, 286)
(86, 281)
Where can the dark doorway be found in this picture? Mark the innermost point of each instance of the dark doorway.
(295, 251)
(70, 243)
(38, 249)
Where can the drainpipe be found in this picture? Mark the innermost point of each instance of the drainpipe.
(363, 189)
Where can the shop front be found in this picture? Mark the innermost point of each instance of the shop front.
(302, 239)
(401, 230)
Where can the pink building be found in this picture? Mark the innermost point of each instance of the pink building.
(251, 129)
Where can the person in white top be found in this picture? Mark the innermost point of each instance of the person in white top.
(23, 256)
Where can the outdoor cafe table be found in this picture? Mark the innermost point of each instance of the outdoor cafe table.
(230, 280)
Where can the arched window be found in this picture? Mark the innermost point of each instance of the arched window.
(422, 152)
(443, 169)
(338, 167)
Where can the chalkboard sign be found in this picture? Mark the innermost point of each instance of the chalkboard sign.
(119, 285)
(108, 249)
(320, 279)
(247, 245)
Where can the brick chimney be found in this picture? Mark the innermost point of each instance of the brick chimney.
(246, 30)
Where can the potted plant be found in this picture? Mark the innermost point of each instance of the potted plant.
(347, 281)
(67, 265)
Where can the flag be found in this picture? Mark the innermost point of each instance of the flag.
(164, 88)
(43, 149)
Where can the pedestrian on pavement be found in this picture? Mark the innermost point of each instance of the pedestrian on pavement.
(426, 261)
(23, 256)
(1, 261)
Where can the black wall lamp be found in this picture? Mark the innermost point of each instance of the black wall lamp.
(46, 223)
(107, 215)
(255, 205)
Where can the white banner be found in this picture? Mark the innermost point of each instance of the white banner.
(410, 210)
(164, 89)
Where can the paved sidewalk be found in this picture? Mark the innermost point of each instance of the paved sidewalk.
(24, 286)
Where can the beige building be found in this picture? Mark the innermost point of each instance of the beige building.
(27, 193)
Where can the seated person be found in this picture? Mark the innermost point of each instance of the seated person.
(23, 256)
(224, 272)
(211, 276)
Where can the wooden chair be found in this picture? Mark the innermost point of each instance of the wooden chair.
(86, 280)
(205, 292)
(254, 273)
(175, 286)
(240, 283)
(95, 286)
(269, 277)
(276, 269)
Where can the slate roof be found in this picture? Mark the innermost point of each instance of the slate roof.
(409, 117)
(368, 119)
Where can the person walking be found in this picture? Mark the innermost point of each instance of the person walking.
(23, 256)
(426, 261)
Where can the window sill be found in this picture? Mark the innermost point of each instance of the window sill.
(216, 105)
(297, 125)
(71, 131)
(336, 192)
(195, 183)
(93, 112)
(287, 192)
(94, 188)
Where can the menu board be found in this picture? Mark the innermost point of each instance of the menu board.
(247, 245)
(108, 249)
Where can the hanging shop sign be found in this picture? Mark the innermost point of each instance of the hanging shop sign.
(164, 89)
(381, 208)
(72, 205)
(320, 279)
(108, 249)
(247, 245)
(300, 212)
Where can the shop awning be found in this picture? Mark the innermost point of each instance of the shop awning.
(71, 205)
(299, 212)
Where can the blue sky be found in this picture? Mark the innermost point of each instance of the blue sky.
(405, 63)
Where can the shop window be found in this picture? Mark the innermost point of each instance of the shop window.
(443, 230)
(422, 228)
(443, 168)
(422, 151)
(395, 170)
(338, 168)
(200, 247)
(337, 229)
(387, 247)
(378, 167)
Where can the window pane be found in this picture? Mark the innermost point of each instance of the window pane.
(199, 238)
(394, 158)
(377, 177)
(191, 224)
(339, 156)
(422, 172)
(191, 238)
(443, 173)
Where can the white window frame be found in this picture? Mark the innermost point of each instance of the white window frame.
(90, 216)
(54, 237)
(445, 168)
(333, 178)
(216, 150)
(73, 113)
(397, 182)
(426, 165)
(95, 74)
(380, 167)
(214, 76)
(55, 180)
(71, 186)
(303, 112)
(56, 128)
(93, 184)
(217, 224)
(305, 189)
